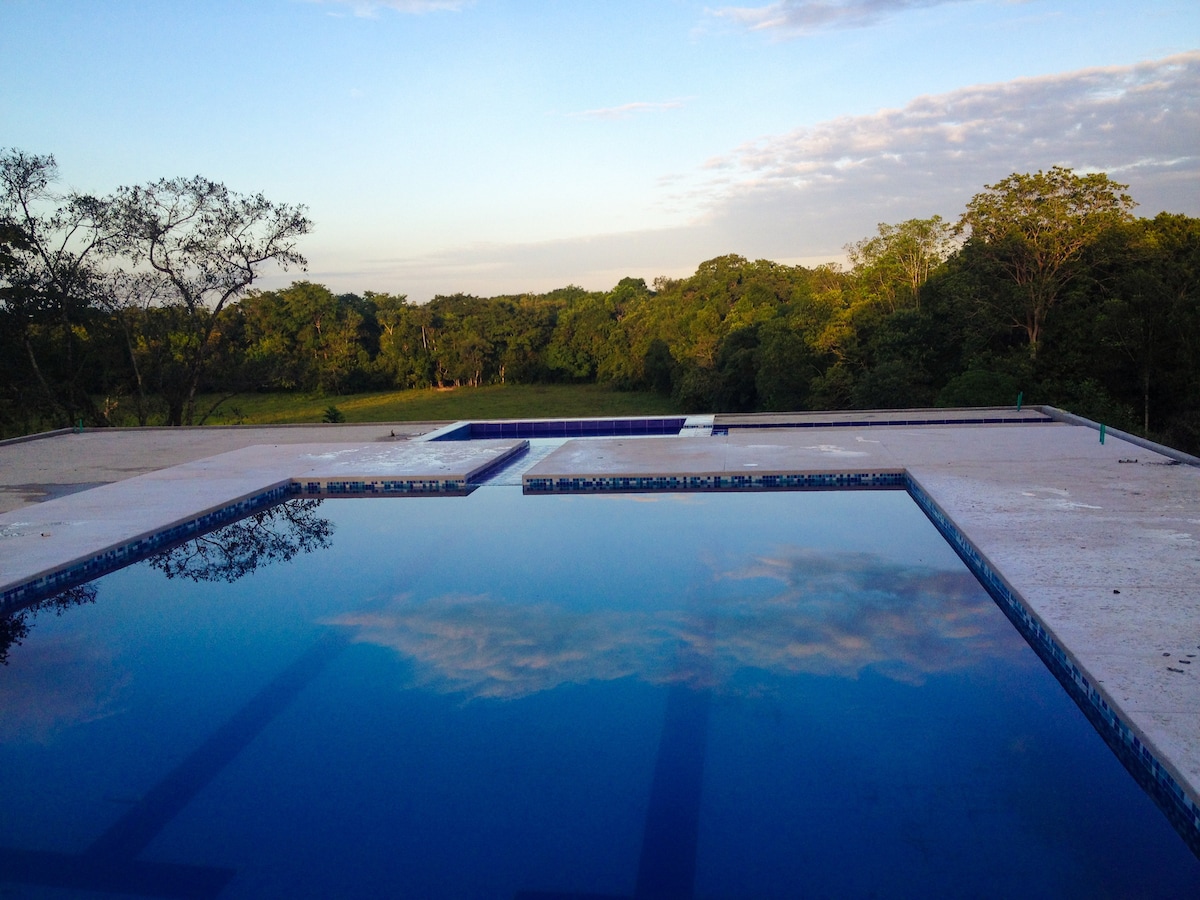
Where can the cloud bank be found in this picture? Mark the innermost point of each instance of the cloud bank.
(800, 17)
(804, 195)
(1140, 124)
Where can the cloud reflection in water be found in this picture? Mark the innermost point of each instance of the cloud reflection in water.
(840, 613)
(62, 681)
(799, 611)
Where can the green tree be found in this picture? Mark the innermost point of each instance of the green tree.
(786, 367)
(737, 371)
(306, 337)
(525, 335)
(405, 357)
(1150, 285)
(583, 335)
(892, 266)
(658, 367)
(1035, 228)
(466, 338)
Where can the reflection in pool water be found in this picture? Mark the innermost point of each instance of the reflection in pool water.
(803, 611)
(706, 695)
(263, 538)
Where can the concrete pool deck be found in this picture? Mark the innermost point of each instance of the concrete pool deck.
(1099, 542)
(43, 467)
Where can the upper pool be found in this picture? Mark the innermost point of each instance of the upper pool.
(497, 696)
(561, 428)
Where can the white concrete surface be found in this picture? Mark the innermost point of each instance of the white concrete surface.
(42, 468)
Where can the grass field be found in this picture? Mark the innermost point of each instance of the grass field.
(502, 401)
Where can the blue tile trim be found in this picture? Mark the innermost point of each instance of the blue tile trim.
(458, 431)
(830, 481)
(1147, 770)
(725, 428)
(562, 428)
(56, 581)
(382, 487)
(496, 468)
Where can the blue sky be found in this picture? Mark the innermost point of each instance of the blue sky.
(494, 146)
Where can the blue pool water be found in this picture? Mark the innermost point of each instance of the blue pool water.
(498, 696)
(541, 429)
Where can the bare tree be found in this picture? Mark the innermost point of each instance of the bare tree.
(55, 246)
(200, 246)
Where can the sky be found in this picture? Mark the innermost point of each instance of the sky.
(506, 146)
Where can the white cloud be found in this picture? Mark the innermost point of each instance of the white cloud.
(487, 269)
(628, 109)
(822, 186)
(799, 17)
(802, 196)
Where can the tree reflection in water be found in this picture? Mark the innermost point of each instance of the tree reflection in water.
(227, 554)
(14, 628)
(269, 536)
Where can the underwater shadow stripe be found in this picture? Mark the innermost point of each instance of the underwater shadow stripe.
(667, 869)
(108, 864)
(134, 830)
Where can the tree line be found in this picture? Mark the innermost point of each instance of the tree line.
(127, 309)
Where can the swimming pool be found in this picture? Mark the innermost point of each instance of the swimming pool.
(499, 695)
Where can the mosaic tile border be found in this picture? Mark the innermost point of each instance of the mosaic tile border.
(1147, 770)
(458, 485)
(724, 429)
(54, 582)
(559, 428)
(380, 487)
(760, 481)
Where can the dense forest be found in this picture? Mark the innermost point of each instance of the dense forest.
(128, 309)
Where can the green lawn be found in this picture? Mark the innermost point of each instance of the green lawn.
(501, 401)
